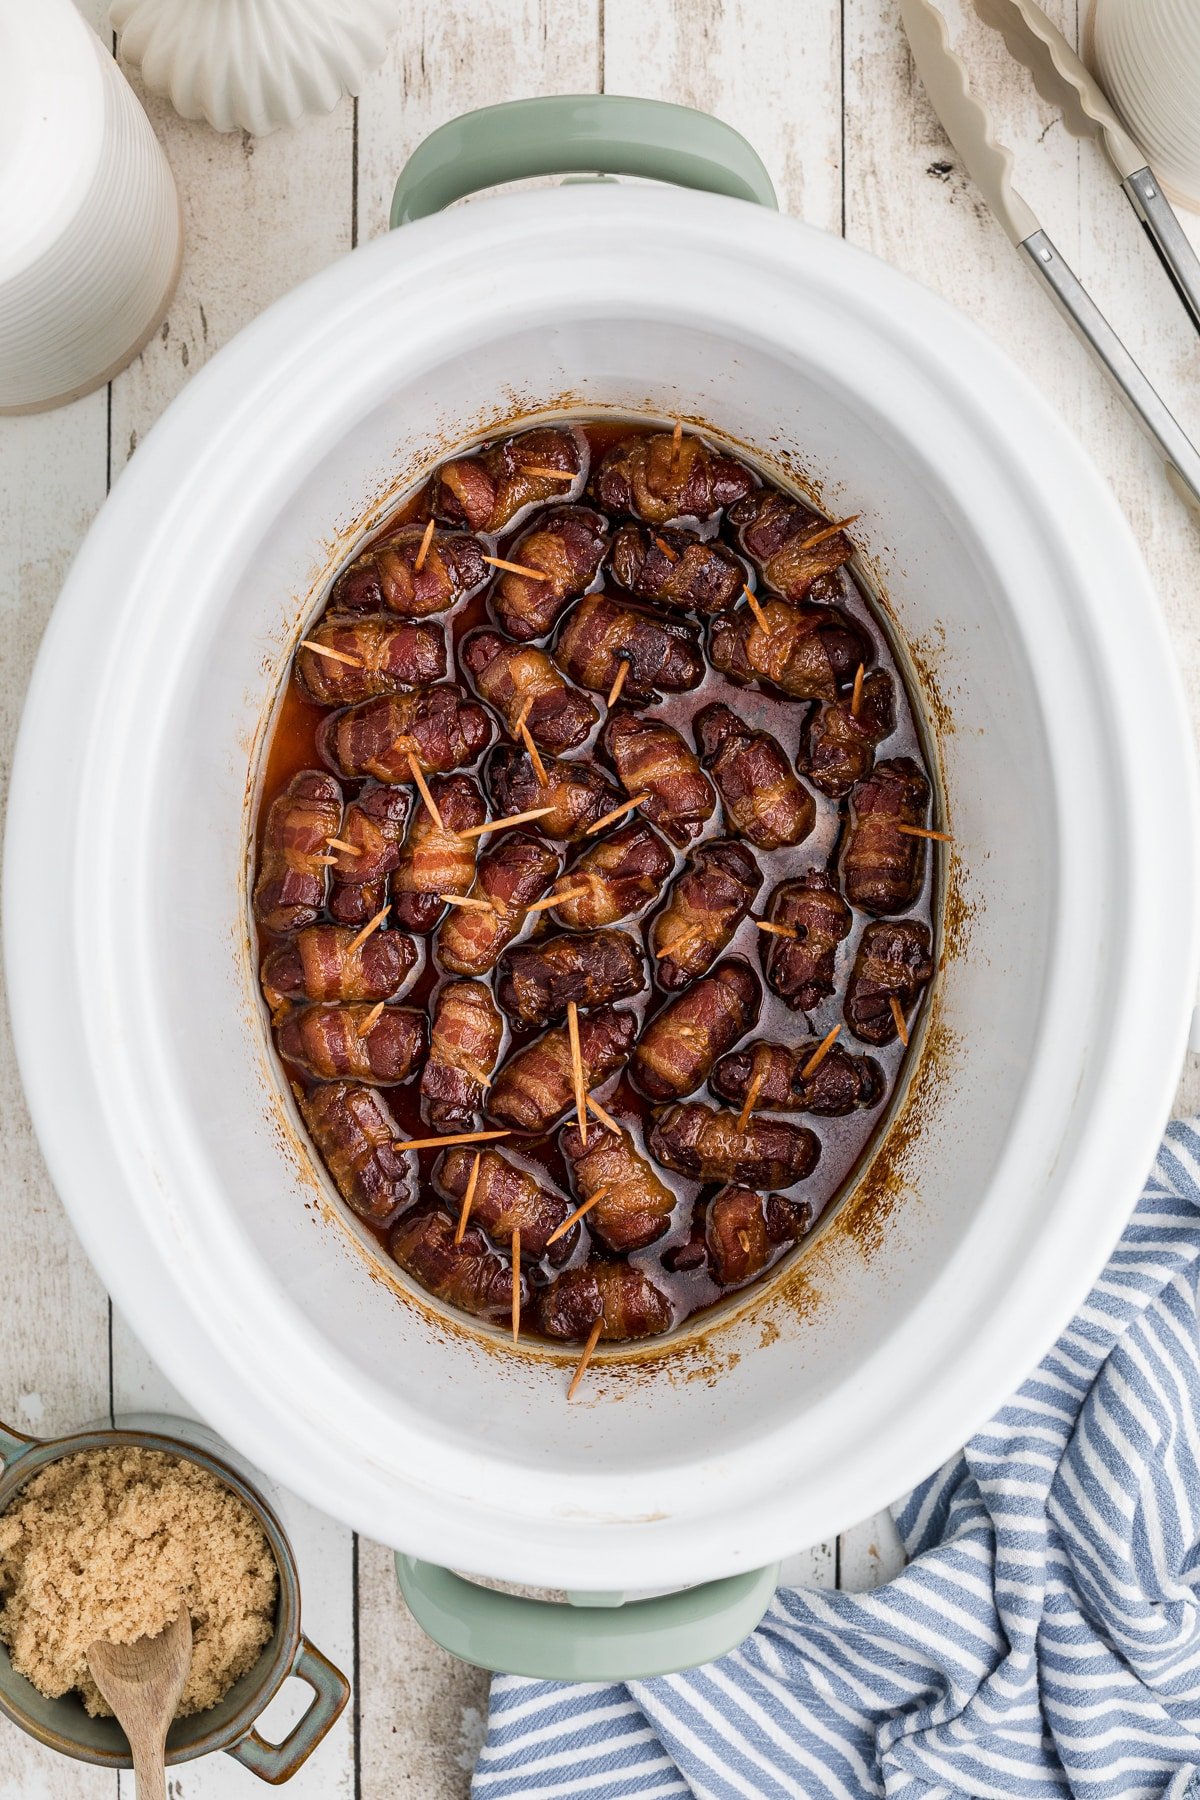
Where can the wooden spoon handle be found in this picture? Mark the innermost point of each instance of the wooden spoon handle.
(149, 1769)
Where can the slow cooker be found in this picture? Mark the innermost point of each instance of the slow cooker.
(1058, 1019)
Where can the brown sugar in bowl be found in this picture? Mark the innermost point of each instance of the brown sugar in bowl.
(63, 1723)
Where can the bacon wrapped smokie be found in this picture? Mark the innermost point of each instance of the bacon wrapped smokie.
(358, 1140)
(319, 964)
(535, 1088)
(635, 1207)
(679, 1046)
(567, 545)
(508, 675)
(470, 1275)
(882, 866)
(745, 1231)
(330, 1042)
(707, 904)
(385, 578)
(487, 491)
(388, 654)
(711, 1146)
(801, 970)
(464, 1048)
(657, 478)
(807, 652)
(373, 827)
(675, 568)
(763, 800)
(516, 871)
(837, 745)
(538, 981)
(600, 634)
(652, 759)
(627, 1301)
(441, 726)
(576, 791)
(893, 963)
(437, 860)
(507, 1198)
(790, 545)
(290, 889)
(620, 875)
(839, 1084)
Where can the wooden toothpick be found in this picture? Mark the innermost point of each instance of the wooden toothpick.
(539, 767)
(370, 1019)
(468, 1198)
(516, 1284)
(422, 787)
(585, 1359)
(898, 1016)
(923, 831)
(617, 813)
(352, 662)
(512, 568)
(820, 1053)
(577, 1069)
(605, 1118)
(423, 552)
(448, 1143)
(553, 900)
(561, 1231)
(341, 844)
(370, 926)
(759, 615)
(534, 812)
(856, 695)
(615, 690)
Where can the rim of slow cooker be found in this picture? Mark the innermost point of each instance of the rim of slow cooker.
(304, 319)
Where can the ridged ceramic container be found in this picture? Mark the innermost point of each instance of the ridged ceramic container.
(90, 236)
(253, 65)
(1146, 56)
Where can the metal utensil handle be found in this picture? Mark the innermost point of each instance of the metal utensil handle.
(1167, 235)
(1093, 329)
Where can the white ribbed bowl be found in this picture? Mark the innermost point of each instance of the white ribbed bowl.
(1146, 56)
(90, 235)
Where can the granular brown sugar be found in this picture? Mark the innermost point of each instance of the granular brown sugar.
(105, 1544)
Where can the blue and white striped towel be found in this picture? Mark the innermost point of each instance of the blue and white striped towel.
(1043, 1641)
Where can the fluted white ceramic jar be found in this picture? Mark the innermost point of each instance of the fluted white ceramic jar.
(90, 236)
(1146, 55)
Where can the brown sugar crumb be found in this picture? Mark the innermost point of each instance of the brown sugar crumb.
(104, 1544)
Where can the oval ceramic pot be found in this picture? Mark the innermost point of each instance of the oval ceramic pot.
(64, 1724)
(1055, 1027)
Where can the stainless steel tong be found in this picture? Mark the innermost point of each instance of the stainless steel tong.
(1062, 79)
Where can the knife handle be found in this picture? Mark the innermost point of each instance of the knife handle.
(1167, 235)
(1093, 330)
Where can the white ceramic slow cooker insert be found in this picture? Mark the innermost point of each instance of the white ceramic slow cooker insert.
(1060, 1013)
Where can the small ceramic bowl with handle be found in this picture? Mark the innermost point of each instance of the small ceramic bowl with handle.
(230, 1725)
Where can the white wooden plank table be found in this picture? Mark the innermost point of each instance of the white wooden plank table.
(826, 92)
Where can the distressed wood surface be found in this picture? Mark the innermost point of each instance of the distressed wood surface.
(827, 94)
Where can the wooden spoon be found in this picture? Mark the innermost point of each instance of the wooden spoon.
(142, 1683)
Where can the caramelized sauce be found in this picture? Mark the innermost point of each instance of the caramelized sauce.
(292, 747)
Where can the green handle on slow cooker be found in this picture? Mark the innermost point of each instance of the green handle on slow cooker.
(331, 1690)
(597, 1637)
(583, 134)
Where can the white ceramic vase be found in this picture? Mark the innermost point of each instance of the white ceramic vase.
(253, 65)
(90, 237)
(1146, 56)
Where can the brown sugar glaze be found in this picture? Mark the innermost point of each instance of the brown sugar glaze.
(292, 746)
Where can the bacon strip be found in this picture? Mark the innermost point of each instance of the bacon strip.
(292, 875)
(385, 577)
(388, 654)
(441, 726)
(568, 545)
(658, 478)
(764, 802)
(509, 676)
